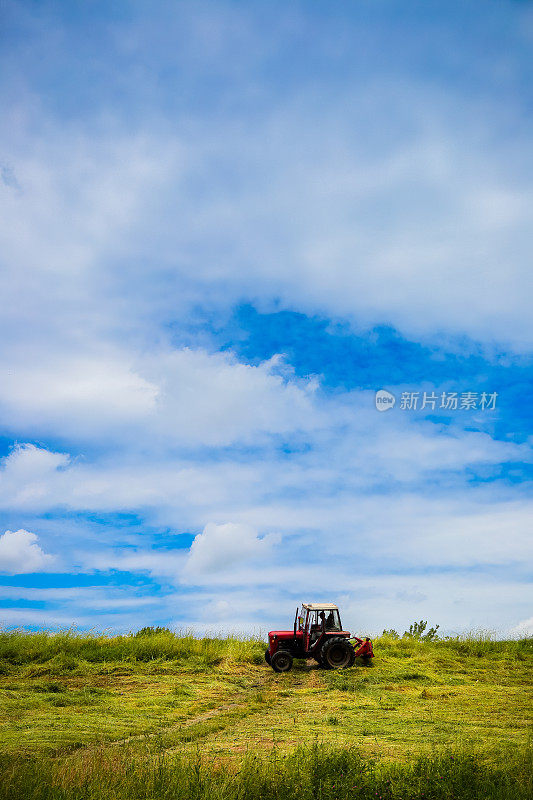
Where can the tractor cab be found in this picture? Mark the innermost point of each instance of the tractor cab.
(320, 620)
(317, 633)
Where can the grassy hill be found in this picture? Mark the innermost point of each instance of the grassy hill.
(162, 715)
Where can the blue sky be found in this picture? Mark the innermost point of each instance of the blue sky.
(224, 227)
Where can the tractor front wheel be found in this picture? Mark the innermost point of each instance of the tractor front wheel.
(337, 654)
(267, 655)
(281, 661)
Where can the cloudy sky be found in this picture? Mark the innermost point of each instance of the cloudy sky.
(224, 226)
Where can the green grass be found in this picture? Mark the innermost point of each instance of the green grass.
(93, 716)
(308, 773)
(64, 653)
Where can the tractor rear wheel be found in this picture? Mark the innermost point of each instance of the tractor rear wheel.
(267, 655)
(337, 653)
(281, 661)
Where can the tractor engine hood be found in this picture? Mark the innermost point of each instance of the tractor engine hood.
(283, 634)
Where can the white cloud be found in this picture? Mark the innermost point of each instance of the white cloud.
(99, 270)
(76, 396)
(182, 396)
(20, 553)
(27, 473)
(213, 399)
(368, 603)
(523, 628)
(398, 232)
(27, 461)
(110, 239)
(97, 598)
(222, 548)
(347, 458)
(79, 196)
(159, 563)
(90, 393)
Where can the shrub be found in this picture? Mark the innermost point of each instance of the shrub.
(151, 631)
(416, 631)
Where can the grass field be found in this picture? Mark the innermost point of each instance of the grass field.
(143, 716)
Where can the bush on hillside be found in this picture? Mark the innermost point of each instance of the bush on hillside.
(416, 631)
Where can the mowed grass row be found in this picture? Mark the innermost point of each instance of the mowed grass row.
(158, 708)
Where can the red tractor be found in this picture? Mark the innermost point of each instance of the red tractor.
(317, 633)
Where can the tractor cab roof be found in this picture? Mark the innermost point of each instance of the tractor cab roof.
(320, 606)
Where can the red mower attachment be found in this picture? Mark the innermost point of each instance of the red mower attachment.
(317, 633)
(365, 648)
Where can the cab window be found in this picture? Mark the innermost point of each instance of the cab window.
(333, 622)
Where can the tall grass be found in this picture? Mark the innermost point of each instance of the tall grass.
(313, 773)
(484, 643)
(67, 649)
(72, 651)
(478, 644)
